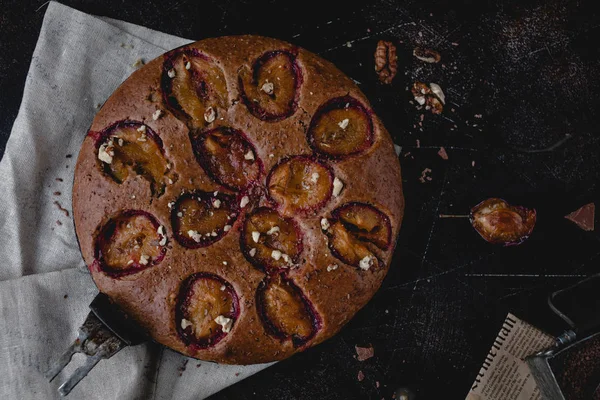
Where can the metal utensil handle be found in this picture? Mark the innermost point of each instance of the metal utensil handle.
(583, 291)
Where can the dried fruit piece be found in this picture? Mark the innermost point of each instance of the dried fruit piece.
(206, 311)
(201, 218)
(270, 90)
(193, 83)
(386, 61)
(129, 147)
(130, 242)
(584, 217)
(341, 127)
(285, 311)
(427, 55)
(500, 223)
(355, 231)
(265, 231)
(430, 95)
(227, 156)
(300, 184)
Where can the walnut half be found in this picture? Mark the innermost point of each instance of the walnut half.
(386, 61)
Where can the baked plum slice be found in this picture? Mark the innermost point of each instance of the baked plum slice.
(285, 311)
(269, 241)
(202, 218)
(270, 90)
(207, 308)
(300, 183)
(130, 242)
(227, 156)
(341, 127)
(501, 223)
(194, 86)
(129, 147)
(355, 231)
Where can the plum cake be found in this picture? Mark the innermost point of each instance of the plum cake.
(238, 198)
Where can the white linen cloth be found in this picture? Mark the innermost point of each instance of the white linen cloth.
(45, 288)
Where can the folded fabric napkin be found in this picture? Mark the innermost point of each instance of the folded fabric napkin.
(45, 288)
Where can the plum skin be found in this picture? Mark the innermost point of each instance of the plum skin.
(106, 232)
(183, 300)
(270, 327)
(206, 198)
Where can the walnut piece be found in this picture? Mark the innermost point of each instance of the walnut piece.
(427, 55)
(386, 61)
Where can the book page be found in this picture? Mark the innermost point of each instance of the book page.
(504, 375)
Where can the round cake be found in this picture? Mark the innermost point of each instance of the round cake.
(238, 198)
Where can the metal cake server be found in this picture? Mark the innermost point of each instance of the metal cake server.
(106, 330)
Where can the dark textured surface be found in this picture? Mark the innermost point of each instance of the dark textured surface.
(530, 68)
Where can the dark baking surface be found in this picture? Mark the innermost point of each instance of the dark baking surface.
(530, 68)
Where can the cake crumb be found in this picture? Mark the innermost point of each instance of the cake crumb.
(138, 63)
(425, 175)
(360, 376)
(364, 353)
(442, 153)
(61, 208)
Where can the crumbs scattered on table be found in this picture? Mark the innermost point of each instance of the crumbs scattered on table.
(198, 365)
(56, 193)
(182, 368)
(360, 376)
(425, 175)
(65, 296)
(61, 208)
(58, 179)
(126, 46)
(364, 353)
(237, 374)
(69, 156)
(442, 153)
(377, 384)
(138, 63)
(473, 163)
(58, 223)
